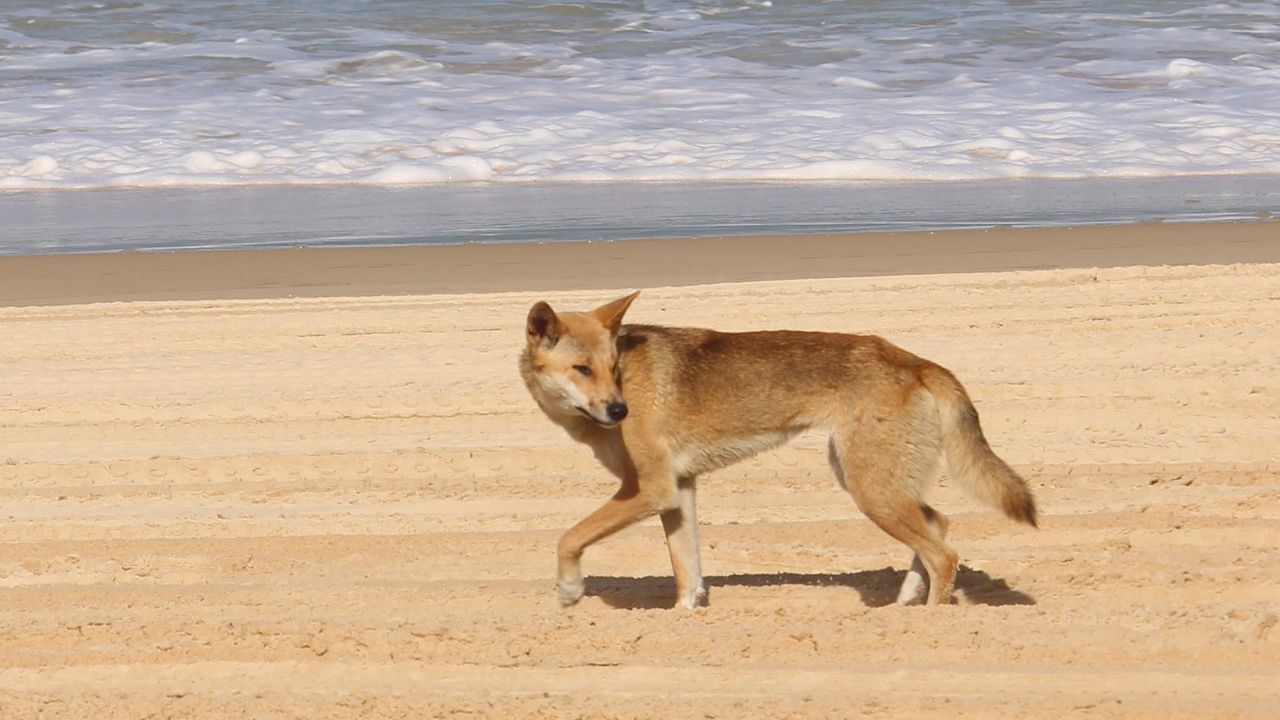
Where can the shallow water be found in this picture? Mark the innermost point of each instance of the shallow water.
(285, 216)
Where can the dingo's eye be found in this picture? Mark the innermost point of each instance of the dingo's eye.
(586, 371)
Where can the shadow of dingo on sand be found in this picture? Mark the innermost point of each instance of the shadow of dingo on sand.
(878, 588)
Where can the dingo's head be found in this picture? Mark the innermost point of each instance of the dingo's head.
(571, 362)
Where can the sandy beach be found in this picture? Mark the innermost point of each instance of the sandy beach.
(309, 483)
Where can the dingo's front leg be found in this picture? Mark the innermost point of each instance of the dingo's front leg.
(569, 585)
(627, 507)
(681, 526)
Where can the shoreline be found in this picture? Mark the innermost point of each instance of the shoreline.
(67, 279)
(284, 217)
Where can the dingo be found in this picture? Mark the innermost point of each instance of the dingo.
(660, 406)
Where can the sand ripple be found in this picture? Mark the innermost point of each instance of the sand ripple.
(332, 508)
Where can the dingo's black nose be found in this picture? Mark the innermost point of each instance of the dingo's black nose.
(616, 411)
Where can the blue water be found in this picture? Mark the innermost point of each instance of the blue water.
(290, 216)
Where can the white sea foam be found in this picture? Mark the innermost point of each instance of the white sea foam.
(403, 92)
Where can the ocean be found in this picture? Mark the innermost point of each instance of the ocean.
(566, 102)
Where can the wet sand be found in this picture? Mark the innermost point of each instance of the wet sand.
(479, 268)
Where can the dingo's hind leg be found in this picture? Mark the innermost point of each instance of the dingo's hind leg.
(916, 583)
(681, 526)
(884, 461)
(902, 516)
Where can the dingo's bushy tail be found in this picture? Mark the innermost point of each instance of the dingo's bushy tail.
(969, 458)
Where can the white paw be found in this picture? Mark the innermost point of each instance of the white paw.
(913, 589)
(693, 599)
(571, 591)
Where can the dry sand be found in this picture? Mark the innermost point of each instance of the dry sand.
(339, 507)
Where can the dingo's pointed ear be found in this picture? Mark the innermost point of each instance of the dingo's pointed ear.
(610, 314)
(543, 327)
